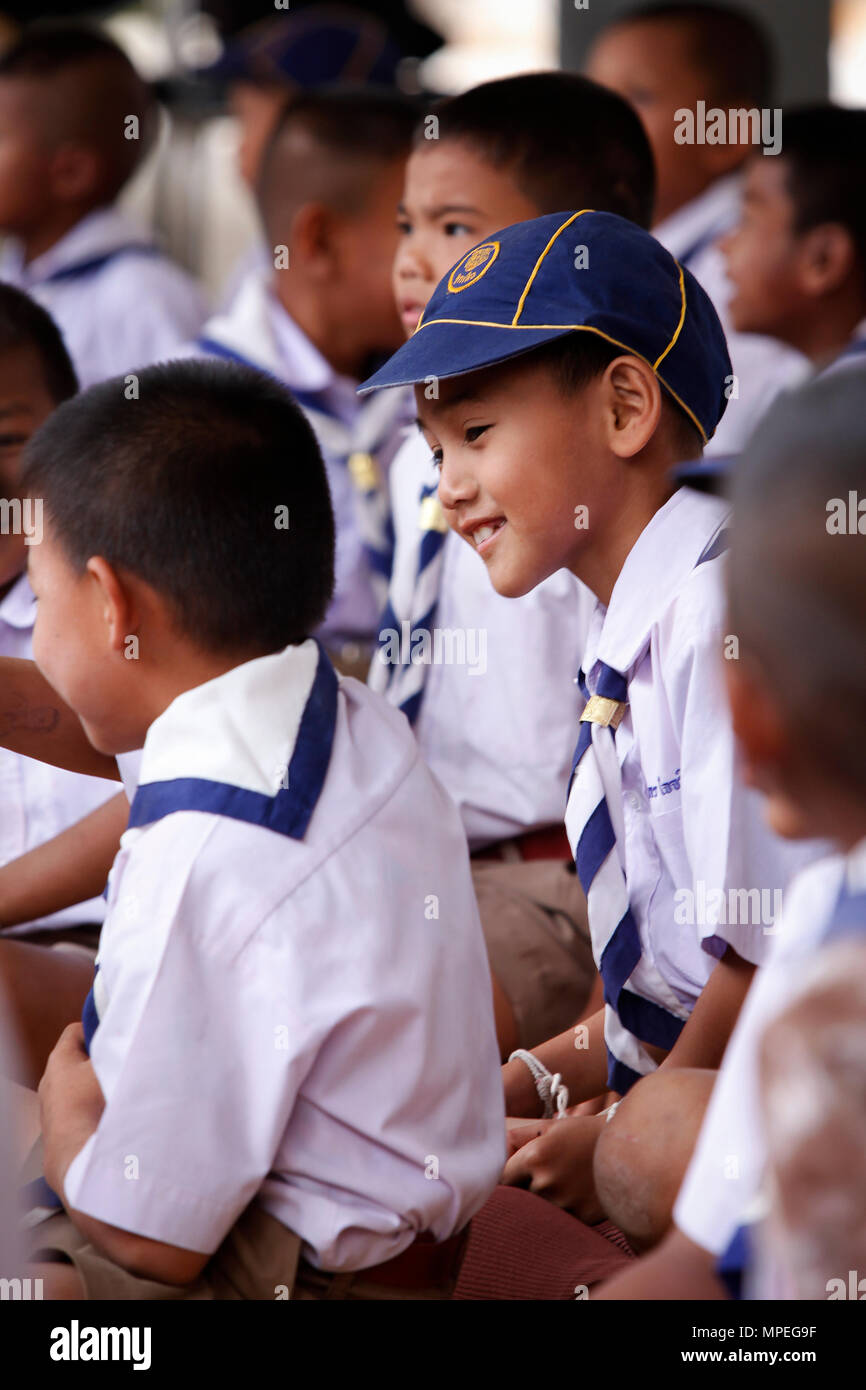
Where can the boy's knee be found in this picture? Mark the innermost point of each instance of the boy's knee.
(642, 1155)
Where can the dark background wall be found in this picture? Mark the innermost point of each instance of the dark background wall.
(800, 30)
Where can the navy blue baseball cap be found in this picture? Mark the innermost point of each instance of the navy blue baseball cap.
(589, 272)
(311, 48)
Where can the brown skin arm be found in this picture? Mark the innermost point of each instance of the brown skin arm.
(676, 1270)
(583, 1068)
(36, 722)
(705, 1036)
(70, 868)
(71, 1103)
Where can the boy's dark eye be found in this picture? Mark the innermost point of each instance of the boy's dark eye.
(475, 432)
(11, 441)
(404, 226)
(457, 229)
(437, 457)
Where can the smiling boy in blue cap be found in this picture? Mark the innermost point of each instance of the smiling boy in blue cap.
(561, 369)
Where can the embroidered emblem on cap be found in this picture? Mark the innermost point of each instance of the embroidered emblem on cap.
(473, 265)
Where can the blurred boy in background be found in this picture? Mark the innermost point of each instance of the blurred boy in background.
(664, 59)
(75, 122)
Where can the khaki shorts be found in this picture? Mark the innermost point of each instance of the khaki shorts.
(257, 1260)
(535, 925)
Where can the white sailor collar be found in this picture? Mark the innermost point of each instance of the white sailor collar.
(253, 744)
(681, 533)
(97, 234)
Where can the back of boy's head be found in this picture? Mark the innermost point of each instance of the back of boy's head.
(565, 141)
(796, 579)
(209, 487)
(327, 147)
(88, 91)
(824, 156)
(729, 47)
(26, 326)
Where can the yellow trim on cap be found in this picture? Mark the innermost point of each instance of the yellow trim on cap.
(679, 326)
(576, 328)
(535, 269)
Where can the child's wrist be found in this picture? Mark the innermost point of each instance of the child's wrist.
(521, 1098)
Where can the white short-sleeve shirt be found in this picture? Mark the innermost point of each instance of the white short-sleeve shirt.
(38, 801)
(118, 302)
(696, 844)
(500, 733)
(306, 1019)
(724, 1176)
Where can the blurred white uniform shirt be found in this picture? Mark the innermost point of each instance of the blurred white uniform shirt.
(763, 366)
(118, 301)
(306, 1019)
(38, 801)
(500, 738)
(724, 1177)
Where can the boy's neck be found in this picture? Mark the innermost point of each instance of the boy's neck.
(821, 337)
(54, 228)
(312, 313)
(600, 567)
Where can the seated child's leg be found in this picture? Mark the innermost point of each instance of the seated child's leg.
(642, 1154)
(44, 990)
(534, 920)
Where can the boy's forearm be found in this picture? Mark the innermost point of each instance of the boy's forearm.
(68, 869)
(148, 1259)
(578, 1055)
(676, 1270)
(703, 1040)
(36, 722)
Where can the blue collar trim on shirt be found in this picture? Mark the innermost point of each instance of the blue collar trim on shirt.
(81, 269)
(307, 400)
(290, 810)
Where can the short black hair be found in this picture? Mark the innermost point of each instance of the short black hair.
(578, 358)
(25, 324)
(565, 140)
(797, 600)
(183, 487)
(107, 91)
(730, 46)
(341, 131)
(824, 154)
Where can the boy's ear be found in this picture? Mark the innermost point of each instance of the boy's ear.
(113, 596)
(633, 405)
(75, 172)
(827, 257)
(312, 238)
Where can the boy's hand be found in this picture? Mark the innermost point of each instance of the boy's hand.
(71, 1102)
(554, 1160)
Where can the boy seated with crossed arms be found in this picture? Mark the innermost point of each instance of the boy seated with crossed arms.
(795, 586)
(289, 1033)
(576, 362)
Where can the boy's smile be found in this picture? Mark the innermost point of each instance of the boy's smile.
(517, 457)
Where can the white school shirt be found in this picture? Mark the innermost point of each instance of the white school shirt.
(763, 366)
(38, 801)
(691, 831)
(309, 1020)
(118, 313)
(499, 737)
(724, 1177)
(257, 327)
